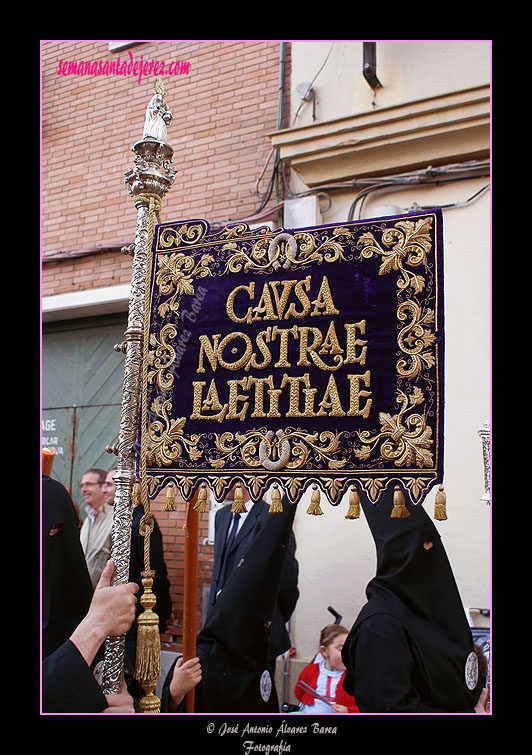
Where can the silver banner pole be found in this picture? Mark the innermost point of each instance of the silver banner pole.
(147, 182)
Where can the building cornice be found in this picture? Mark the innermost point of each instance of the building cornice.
(454, 127)
(93, 301)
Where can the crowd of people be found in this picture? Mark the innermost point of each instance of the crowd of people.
(410, 650)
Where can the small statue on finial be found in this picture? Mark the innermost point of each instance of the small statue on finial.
(158, 115)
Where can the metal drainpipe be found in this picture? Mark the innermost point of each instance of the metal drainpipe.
(73, 448)
(282, 59)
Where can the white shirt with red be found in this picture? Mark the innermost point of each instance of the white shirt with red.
(328, 684)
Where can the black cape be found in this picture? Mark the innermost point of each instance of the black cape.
(68, 684)
(66, 585)
(410, 649)
(233, 644)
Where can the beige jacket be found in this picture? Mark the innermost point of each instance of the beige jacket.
(96, 541)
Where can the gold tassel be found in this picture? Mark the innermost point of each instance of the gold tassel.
(170, 498)
(314, 507)
(353, 511)
(399, 509)
(239, 507)
(201, 503)
(440, 509)
(148, 659)
(135, 493)
(276, 505)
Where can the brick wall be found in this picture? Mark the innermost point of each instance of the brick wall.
(222, 109)
(171, 525)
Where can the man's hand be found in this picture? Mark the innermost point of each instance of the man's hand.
(112, 609)
(111, 613)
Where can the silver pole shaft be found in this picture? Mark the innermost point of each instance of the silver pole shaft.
(151, 175)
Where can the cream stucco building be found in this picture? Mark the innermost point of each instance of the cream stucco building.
(432, 109)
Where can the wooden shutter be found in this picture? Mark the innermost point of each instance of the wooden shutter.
(82, 380)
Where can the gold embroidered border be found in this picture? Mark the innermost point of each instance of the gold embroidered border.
(404, 440)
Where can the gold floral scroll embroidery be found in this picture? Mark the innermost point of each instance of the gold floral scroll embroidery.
(296, 457)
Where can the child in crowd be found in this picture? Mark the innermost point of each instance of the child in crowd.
(325, 676)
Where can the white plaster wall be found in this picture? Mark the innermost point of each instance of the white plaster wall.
(408, 71)
(336, 555)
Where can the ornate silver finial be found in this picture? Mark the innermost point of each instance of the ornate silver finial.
(158, 115)
(153, 172)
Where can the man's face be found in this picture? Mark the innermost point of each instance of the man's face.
(108, 488)
(91, 490)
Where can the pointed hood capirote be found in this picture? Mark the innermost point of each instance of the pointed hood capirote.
(415, 593)
(233, 644)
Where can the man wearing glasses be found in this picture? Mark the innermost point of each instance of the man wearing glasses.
(96, 529)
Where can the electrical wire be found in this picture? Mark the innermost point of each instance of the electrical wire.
(361, 197)
(427, 177)
(263, 171)
(266, 196)
(312, 82)
(463, 203)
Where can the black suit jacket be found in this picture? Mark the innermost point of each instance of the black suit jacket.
(288, 591)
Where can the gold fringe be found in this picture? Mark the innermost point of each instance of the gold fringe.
(150, 703)
(135, 493)
(148, 658)
(276, 506)
(440, 505)
(239, 507)
(148, 651)
(353, 511)
(170, 498)
(201, 504)
(399, 509)
(314, 507)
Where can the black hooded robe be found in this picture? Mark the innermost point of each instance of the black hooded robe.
(410, 649)
(68, 684)
(66, 586)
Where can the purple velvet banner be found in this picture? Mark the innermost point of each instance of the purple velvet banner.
(311, 355)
